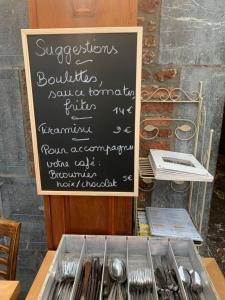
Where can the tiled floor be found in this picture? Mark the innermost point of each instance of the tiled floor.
(216, 233)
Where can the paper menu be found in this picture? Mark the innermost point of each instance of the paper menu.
(172, 222)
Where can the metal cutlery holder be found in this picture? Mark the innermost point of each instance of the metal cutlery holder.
(136, 252)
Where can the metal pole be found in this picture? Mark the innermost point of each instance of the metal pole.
(196, 139)
(205, 185)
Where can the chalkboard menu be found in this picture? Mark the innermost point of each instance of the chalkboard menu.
(84, 101)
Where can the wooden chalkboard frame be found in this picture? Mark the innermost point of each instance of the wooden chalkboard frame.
(138, 31)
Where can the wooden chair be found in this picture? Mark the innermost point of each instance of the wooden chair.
(9, 243)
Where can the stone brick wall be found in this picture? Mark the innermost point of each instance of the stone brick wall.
(155, 75)
(18, 198)
(183, 44)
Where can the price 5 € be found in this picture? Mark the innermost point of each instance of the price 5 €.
(127, 178)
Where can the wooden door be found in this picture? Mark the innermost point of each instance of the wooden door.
(84, 215)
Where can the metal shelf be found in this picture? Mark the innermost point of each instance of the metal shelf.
(182, 129)
(145, 169)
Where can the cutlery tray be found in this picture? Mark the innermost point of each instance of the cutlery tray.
(136, 252)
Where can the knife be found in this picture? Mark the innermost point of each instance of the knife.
(87, 272)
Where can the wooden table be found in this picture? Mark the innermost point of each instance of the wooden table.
(215, 275)
(210, 264)
(9, 289)
(40, 277)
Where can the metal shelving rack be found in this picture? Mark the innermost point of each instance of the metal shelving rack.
(182, 126)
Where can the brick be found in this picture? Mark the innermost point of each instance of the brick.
(165, 133)
(157, 107)
(159, 121)
(165, 74)
(157, 131)
(148, 6)
(161, 133)
(146, 146)
(149, 41)
(157, 93)
(145, 74)
(143, 152)
(147, 56)
(140, 21)
(151, 26)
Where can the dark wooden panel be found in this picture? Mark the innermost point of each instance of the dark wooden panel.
(87, 215)
(82, 13)
(90, 215)
(88, 209)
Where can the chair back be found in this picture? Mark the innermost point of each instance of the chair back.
(9, 243)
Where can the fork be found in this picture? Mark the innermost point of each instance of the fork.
(64, 277)
(140, 282)
(171, 283)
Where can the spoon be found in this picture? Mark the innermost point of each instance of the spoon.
(196, 283)
(117, 271)
(185, 277)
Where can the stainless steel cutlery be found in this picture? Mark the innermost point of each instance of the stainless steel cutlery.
(126, 268)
